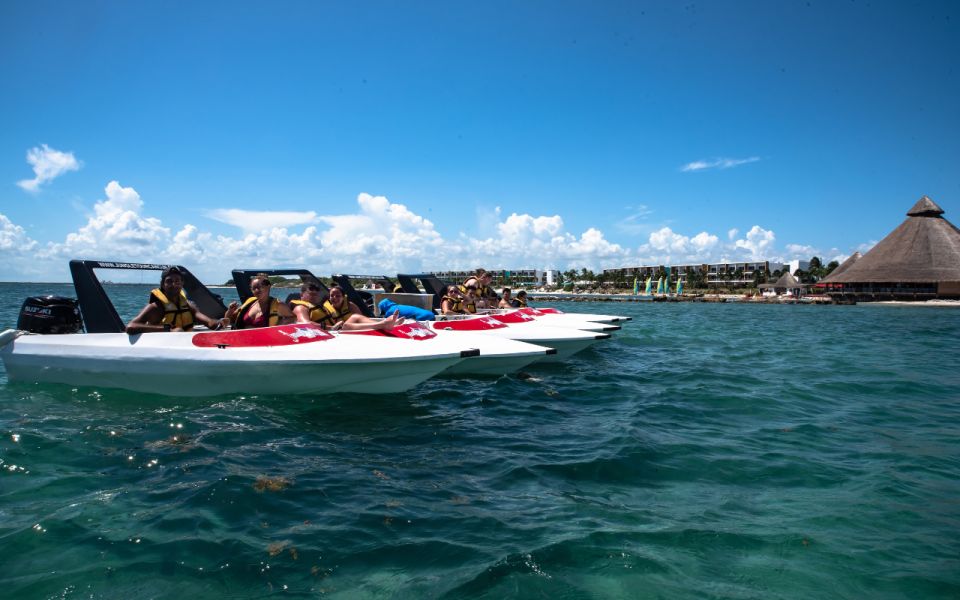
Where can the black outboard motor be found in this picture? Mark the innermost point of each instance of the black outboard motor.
(50, 314)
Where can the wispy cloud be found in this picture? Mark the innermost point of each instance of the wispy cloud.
(636, 222)
(717, 163)
(48, 164)
(259, 220)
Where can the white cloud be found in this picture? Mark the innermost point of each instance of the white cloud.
(258, 220)
(13, 239)
(732, 234)
(704, 241)
(666, 240)
(669, 244)
(517, 227)
(758, 243)
(540, 241)
(802, 251)
(373, 236)
(48, 164)
(116, 228)
(382, 237)
(717, 163)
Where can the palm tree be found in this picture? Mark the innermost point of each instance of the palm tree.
(831, 266)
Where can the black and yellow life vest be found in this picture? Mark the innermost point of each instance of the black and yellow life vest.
(272, 319)
(456, 304)
(485, 291)
(521, 303)
(470, 305)
(175, 314)
(316, 313)
(334, 316)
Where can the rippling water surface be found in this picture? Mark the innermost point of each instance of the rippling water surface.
(707, 451)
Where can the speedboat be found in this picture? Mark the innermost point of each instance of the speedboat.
(436, 287)
(562, 320)
(497, 355)
(585, 316)
(287, 359)
(565, 341)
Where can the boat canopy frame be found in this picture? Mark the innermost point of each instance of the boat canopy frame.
(100, 315)
(431, 284)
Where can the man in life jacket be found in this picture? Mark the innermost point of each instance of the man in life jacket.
(169, 309)
(336, 311)
(507, 301)
(485, 296)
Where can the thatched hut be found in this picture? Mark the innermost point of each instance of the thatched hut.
(787, 285)
(918, 260)
(844, 265)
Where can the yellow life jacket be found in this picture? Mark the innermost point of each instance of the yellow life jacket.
(316, 313)
(456, 304)
(334, 316)
(485, 291)
(175, 314)
(521, 303)
(272, 319)
(397, 289)
(470, 305)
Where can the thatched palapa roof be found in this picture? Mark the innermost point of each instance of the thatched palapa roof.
(923, 249)
(843, 266)
(787, 281)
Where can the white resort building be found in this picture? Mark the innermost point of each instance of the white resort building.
(508, 277)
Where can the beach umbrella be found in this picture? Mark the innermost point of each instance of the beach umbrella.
(646, 290)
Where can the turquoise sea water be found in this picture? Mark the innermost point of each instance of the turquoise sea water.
(707, 451)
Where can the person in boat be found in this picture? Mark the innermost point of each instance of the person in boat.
(521, 299)
(471, 300)
(452, 301)
(329, 312)
(507, 301)
(261, 309)
(169, 310)
(485, 296)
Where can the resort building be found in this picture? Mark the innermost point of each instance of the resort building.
(732, 274)
(918, 260)
(503, 277)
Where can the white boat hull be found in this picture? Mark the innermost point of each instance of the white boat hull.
(587, 316)
(498, 355)
(172, 364)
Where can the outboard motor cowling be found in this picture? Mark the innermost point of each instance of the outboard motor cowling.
(50, 314)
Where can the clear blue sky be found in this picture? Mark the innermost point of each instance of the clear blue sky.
(833, 118)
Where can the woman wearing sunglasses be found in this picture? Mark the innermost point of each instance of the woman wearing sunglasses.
(261, 309)
(336, 311)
